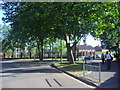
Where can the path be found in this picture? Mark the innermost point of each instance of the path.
(109, 79)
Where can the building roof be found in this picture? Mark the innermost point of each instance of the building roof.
(84, 47)
(98, 48)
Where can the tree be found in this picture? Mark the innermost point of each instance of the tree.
(7, 45)
(107, 25)
(70, 24)
(17, 14)
(66, 21)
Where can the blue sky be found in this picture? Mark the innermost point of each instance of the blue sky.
(90, 40)
(1, 15)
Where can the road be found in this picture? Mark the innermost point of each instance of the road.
(30, 74)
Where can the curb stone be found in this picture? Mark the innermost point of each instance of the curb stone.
(79, 78)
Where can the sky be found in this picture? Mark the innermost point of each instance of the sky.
(89, 41)
(1, 14)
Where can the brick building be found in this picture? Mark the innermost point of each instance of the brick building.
(83, 50)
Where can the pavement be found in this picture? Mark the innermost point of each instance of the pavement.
(109, 79)
(28, 74)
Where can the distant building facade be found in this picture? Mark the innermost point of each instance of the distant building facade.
(97, 48)
(83, 50)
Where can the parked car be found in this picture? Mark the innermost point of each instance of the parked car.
(88, 57)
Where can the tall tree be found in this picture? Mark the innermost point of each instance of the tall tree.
(24, 24)
(106, 26)
(68, 21)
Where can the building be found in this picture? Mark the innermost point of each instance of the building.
(97, 48)
(83, 50)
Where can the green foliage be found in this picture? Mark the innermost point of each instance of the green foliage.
(106, 24)
(34, 51)
(57, 46)
(69, 21)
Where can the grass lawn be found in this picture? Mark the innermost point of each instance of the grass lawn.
(18, 59)
(75, 69)
(46, 59)
(99, 52)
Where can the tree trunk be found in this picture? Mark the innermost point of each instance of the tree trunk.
(21, 52)
(118, 54)
(21, 55)
(52, 50)
(30, 55)
(61, 50)
(38, 46)
(4, 55)
(70, 54)
(49, 54)
(74, 53)
(69, 50)
(13, 54)
(41, 55)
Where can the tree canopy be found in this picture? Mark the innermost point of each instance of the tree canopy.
(36, 21)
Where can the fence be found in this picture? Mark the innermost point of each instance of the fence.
(92, 71)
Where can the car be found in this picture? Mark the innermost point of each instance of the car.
(88, 57)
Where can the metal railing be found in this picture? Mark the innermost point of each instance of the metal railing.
(92, 71)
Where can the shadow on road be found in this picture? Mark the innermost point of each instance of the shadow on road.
(27, 67)
(30, 71)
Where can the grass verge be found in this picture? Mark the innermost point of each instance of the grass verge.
(75, 69)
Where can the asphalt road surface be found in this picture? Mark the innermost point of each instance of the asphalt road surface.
(30, 74)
